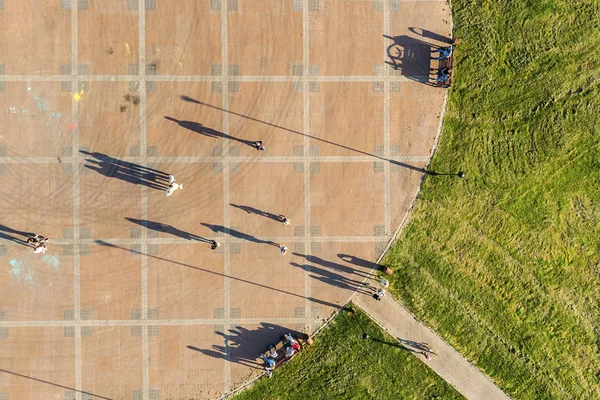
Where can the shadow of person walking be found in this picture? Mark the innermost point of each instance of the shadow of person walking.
(8, 234)
(209, 132)
(170, 229)
(127, 171)
(252, 210)
(238, 234)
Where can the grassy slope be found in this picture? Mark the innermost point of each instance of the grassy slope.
(505, 263)
(341, 365)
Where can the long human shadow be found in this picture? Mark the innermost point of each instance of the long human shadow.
(401, 164)
(335, 266)
(54, 384)
(332, 278)
(243, 346)
(15, 239)
(129, 172)
(238, 234)
(209, 132)
(312, 299)
(430, 35)
(413, 346)
(252, 210)
(361, 262)
(410, 56)
(170, 229)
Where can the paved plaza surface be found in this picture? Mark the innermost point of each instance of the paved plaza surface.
(101, 100)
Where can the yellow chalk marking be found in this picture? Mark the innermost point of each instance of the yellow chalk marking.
(76, 97)
(127, 49)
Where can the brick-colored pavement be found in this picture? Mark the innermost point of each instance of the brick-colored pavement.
(101, 100)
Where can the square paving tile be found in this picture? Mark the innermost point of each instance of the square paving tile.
(183, 39)
(263, 284)
(32, 355)
(108, 37)
(187, 362)
(346, 119)
(110, 192)
(36, 120)
(349, 206)
(200, 201)
(186, 281)
(111, 363)
(415, 117)
(27, 49)
(24, 183)
(109, 118)
(110, 282)
(36, 286)
(253, 208)
(265, 37)
(185, 128)
(270, 112)
(340, 43)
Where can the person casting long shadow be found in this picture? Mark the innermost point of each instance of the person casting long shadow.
(126, 171)
(238, 234)
(252, 210)
(170, 229)
(4, 234)
(209, 132)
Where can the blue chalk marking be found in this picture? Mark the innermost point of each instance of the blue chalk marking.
(17, 267)
(52, 260)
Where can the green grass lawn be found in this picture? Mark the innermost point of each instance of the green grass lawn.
(341, 365)
(504, 263)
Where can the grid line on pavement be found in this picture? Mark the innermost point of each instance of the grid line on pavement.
(74, 79)
(224, 77)
(218, 78)
(386, 125)
(146, 322)
(306, 154)
(144, 196)
(234, 159)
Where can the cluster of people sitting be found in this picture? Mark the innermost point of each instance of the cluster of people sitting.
(443, 77)
(272, 357)
(39, 243)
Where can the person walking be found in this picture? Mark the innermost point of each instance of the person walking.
(173, 186)
(385, 283)
(286, 221)
(214, 245)
(283, 249)
(259, 146)
(377, 296)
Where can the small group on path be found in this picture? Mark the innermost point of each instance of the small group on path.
(38, 243)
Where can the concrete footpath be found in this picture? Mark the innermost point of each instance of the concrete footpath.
(415, 336)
